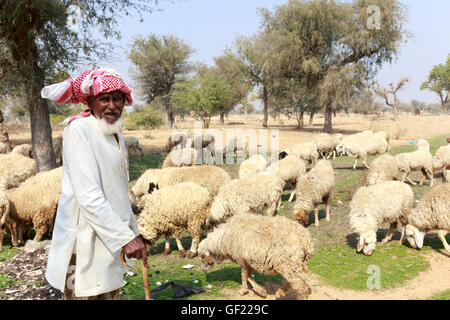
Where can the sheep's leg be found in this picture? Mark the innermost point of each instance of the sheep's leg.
(431, 177)
(354, 164)
(244, 276)
(194, 246)
(316, 216)
(424, 176)
(40, 232)
(441, 236)
(365, 163)
(13, 230)
(1, 238)
(281, 292)
(182, 252)
(273, 209)
(291, 198)
(388, 237)
(256, 287)
(412, 182)
(296, 279)
(334, 154)
(167, 246)
(328, 199)
(401, 237)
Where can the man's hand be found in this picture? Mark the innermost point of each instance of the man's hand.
(135, 249)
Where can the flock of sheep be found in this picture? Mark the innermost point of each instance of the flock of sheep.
(199, 198)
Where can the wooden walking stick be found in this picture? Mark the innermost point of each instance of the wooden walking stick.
(144, 272)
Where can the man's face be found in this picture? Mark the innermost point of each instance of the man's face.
(108, 106)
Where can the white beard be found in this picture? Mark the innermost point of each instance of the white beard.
(110, 129)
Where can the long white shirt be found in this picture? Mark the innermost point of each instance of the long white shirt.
(94, 219)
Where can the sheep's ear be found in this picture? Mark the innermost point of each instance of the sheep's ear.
(418, 237)
(360, 244)
(152, 187)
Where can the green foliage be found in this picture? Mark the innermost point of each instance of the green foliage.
(438, 81)
(6, 281)
(146, 119)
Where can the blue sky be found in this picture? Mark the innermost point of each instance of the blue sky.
(209, 26)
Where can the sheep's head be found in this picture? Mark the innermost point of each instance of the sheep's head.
(414, 236)
(207, 261)
(367, 242)
(282, 155)
(340, 149)
(301, 216)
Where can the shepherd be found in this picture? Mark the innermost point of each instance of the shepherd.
(94, 221)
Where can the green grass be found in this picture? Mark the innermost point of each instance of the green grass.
(8, 252)
(441, 296)
(6, 282)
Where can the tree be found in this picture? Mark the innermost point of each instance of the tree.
(314, 41)
(392, 90)
(39, 38)
(159, 63)
(438, 81)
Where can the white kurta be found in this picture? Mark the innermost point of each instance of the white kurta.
(94, 219)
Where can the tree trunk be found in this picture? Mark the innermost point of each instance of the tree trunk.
(222, 118)
(41, 130)
(170, 119)
(328, 125)
(4, 137)
(311, 118)
(266, 102)
(300, 123)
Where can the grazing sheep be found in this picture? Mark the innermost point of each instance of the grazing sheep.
(421, 159)
(251, 194)
(147, 182)
(14, 169)
(326, 145)
(269, 245)
(180, 157)
(383, 168)
(23, 149)
(177, 139)
(306, 151)
(441, 160)
(255, 164)
(51, 178)
(363, 147)
(313, 188)
(432, 214)
(35, 205)
(132, 143)
(169, 209)
(203, 141)
(4, 215)
(372, 206)
(289, 169)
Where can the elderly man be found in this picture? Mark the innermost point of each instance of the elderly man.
(94, 221)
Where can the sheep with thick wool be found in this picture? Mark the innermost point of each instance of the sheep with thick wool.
(372, 206)
(326, 144)
(363, 147)
(269, 245)
(314, 188)
(14, 169)
(180, 158)
(432, 214)
(170, 209)
(446, 176)
(383, 168)
(23, 149)
(180, 139)
(306, 151)
(420, 159)
(4, 216)
(340, 148)
(33, 205)
(51, 178)
(252, 194)
(254, 164)
(132, 144)
(441, 159)
(290, 169)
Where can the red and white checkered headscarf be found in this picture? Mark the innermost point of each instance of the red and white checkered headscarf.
(89, 83)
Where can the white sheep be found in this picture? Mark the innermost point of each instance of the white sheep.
(254, 164)
(23, 149)
(383, 168)
(51, 178)
(326, 144)
(313, 188)
(421, 159)
(179, 139)
(431, 215)
(340, 148)
(170, 209)
(372, 206)
(14, 169)
(252, 194)
(306, 151)
(132, 144)
(446, 176)
(441, 159)
(362, 147)
(181, 157)
(269, 245)
(4, 216)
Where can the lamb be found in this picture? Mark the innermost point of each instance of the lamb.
(180, 157)
(306, 151)
(51, 178)
(132, 143)
(269, 245)
(421, 159)
(4, 215)
(383, 168)
(313, 188)
(177, 139)
(372, 206)
(23, 149)
(441, 159)
(169, 209)
(289, 169)
(254, 164)
(432, 214)
(14, 169)
(326, 145)
(250, 194)
(361, 148)
(33, 205)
